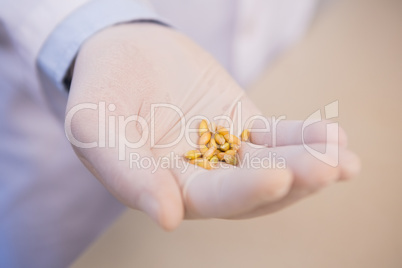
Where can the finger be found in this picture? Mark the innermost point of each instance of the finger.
(310, 171)
(288, 132)
(291, 198)
(351, 163)
(152, 191)
(229, 191)
(310, 174)
(138, 185)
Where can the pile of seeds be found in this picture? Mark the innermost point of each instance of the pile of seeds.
(216, 145)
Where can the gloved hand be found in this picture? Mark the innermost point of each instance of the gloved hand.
(131, 66)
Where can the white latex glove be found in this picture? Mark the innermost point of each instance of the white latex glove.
(135, 65)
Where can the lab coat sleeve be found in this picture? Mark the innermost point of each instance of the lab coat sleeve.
(64, 40)
(48, 34)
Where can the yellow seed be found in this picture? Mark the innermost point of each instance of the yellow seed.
(203, 127)
(231, 152)
(193, 154)
(212, 143)
(214, 159)
(208, 154)
(234, 146)
(205, 138)
(232, 139)
(202, 162)
(219, 139)
(215, 144)
(221, 130)
(224, 147)
(203, 148)
(230, 159)
(212, 127)
(220, 156)
(245, 135)
(214, 162)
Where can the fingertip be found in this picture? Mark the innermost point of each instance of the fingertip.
(170, 216)
(313, 173)
(350, 166)
(166, 211)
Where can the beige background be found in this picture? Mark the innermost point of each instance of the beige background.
(353, 54)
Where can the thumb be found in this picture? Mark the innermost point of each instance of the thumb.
(137, 183)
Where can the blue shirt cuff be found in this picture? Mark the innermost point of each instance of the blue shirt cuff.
(61, 47)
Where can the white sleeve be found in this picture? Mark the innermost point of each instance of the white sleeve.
(63, 42)
(30, 22)
(48, 33)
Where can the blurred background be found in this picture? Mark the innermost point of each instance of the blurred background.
(353, 54)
